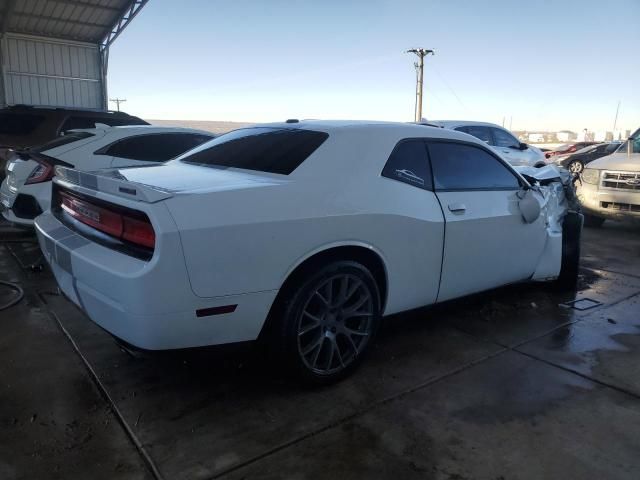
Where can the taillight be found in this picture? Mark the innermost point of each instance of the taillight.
(138, 231)
(42, 173)
(130, 227)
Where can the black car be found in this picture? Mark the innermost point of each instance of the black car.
(575, 162)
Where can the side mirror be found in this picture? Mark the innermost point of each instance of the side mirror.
(523, 146)
(530, 205)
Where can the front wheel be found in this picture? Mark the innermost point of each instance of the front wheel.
(329, 321)
(575, 166)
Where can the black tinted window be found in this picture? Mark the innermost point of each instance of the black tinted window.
(504, 139)
(465, 167)
(483, 133)
(158, 147)
(408, 163)
(273, 150)
(19, 123)
(60, 141)
(612, 147)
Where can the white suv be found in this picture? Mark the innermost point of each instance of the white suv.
(609, 187)
(500, 139)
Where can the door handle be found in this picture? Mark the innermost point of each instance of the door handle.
(457, 207)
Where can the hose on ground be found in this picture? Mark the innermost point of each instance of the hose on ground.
(16, 299)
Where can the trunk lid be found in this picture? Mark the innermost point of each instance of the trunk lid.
(158, 182)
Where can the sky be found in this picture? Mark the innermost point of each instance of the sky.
(531, 64)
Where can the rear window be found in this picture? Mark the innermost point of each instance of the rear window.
(272, 150)
(60, 141)
(19, 123)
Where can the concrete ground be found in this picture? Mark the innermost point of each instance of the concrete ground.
(502, 385)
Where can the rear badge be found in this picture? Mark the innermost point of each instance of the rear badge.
(581, 304)
(130, 191)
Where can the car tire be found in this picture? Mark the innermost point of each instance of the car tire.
(327, 322)
(575, 166)
(592, 221)
(570, 264)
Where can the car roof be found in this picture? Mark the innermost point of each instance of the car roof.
(403, 128)
(457, 123)
(19, 108)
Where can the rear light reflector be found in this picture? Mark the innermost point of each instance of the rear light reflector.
(131, 227)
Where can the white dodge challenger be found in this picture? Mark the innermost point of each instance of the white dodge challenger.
(303, 234)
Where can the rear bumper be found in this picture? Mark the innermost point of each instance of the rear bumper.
(24, 205)
(149, 305)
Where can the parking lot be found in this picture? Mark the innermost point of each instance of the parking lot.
(505, 384)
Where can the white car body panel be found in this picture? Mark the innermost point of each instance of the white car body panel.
(530, 157)
(230, 236)
(80, 154)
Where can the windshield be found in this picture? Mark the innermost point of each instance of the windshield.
(635, 145)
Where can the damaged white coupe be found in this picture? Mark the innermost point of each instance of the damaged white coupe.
(303, 235)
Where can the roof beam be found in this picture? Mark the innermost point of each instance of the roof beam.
(127, 14)
(58, 19)
(6, 15)
(83, 3)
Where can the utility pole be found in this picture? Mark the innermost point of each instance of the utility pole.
(615, 121)
(421, 53)
(118, 101)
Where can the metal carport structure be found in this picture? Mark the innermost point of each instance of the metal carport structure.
(55, 52)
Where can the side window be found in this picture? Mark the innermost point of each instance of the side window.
(409, 163)
(504, 139)
(462, 129)
(465, 167)
(483, 133)
(158, 147)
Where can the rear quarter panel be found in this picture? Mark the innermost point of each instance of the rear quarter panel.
(249, 240)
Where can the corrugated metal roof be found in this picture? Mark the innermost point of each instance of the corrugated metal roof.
(80, 20)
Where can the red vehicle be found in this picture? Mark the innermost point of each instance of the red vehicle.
(568, 148)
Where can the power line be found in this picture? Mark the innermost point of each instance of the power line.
(450, 88)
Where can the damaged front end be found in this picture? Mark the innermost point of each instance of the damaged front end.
(552, 196)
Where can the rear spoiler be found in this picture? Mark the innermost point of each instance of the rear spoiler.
(91, 182)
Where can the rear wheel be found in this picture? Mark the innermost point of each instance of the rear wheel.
(571, 235)
(575, 166)
(593, 221)
(329, 321)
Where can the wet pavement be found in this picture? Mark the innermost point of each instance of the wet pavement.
(505, 384)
